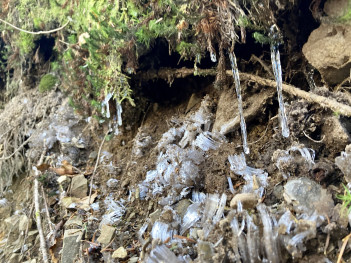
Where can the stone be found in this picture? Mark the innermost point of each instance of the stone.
(107, 233)
(120, 253)
(248, 200)
(79, 186)
(328, 49)
(154, 216)
(112, 183)
(227, 115)
(306, 196)
(182, 206)
(71, 245)
(133, 260)
(336, 136)
(15, 258)
(74, 221)
(336, 9)
(344, 163)
(23, 223)
(32, 236)
(12, 221)
(193, 101)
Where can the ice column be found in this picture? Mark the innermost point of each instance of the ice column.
(240, 101)
(277, 70)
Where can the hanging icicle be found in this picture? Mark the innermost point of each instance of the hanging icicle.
(275, 57)
(240, 101)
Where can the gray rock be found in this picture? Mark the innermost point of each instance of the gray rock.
(71, 245)
(107, 233)
(74, 221)
(79, 186)
(308, 197)
(112, 183)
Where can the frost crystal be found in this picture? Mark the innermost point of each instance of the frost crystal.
(277, 70)
(240, 101)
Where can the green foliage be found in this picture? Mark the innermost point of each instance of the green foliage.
(47, 82)
(261, 38)
(25, 43)
(346, 198)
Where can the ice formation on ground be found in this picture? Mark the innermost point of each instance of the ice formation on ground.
(182, 150)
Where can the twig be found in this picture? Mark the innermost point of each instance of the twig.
(35, 33)
(313, 140)
(166, 73)
(37, 212)
(345, 240)
(96, 165)
(266, 68)
(47, 210)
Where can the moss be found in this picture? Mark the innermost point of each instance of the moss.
(47, 82)
(25, 43)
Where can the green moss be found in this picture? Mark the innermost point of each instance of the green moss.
(47, 82)
(25, 43)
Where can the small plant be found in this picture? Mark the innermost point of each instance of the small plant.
(346, 198)
(47, 82)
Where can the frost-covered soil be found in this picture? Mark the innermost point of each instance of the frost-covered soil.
(174, 189)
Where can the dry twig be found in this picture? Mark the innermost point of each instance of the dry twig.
(37, 211)
(345, 240)
(96, 165)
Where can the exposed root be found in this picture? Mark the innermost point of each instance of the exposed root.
(35, 33)
(344, 243)
(170, 74)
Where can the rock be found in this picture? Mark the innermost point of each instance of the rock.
(308, 197)
(336, 8)
(120, 253)
(112, 183)
(15, 258)
(248, 200)
(31, 261)
(328, 49)
(23, 223)
(107, 233)
(182, 206)
(32, 236)
(79, 186)
(193, 101)
(227, 116)
(133, 260)
(344, 163)
(74, 221)
(71, 245)
(12, 221)
(335, 135)
(154, 216)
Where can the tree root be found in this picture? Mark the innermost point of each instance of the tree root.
(169, 75)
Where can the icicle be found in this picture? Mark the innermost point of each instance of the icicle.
(240, 102)
(275, 57)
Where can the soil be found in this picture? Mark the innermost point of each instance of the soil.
(139, 148)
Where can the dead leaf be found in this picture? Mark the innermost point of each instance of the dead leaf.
(43, 167)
